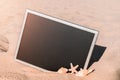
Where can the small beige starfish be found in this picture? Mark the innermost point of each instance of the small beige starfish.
(73, 68)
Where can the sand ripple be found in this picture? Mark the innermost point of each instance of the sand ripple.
(12, 76)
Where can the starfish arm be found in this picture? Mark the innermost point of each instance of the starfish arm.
(76, 66)
(71, 65)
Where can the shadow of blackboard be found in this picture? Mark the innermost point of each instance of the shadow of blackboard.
(97, 54)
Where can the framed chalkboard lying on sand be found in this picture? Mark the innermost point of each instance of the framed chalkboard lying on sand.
(48, 43)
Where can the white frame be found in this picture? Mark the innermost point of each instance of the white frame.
(60, 21)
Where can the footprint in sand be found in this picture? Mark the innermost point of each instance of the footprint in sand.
(4, 44)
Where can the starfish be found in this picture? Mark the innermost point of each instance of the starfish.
(73, 68)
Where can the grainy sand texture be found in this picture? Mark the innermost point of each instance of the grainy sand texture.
(101, 15)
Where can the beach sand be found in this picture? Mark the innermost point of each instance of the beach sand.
(101, 15)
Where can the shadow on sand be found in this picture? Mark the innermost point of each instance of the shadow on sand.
(97, 53)
(118, 74)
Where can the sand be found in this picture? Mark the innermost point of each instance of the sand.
(101, 15)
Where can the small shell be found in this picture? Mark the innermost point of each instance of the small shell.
(62, 70)
(84, 72)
